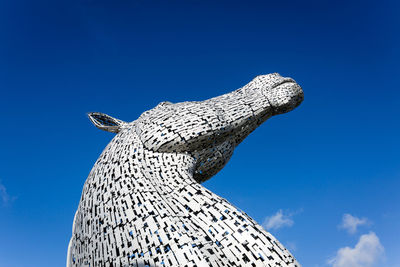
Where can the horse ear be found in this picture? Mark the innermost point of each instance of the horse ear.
(105, 122)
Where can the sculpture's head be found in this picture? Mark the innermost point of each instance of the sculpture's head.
(209, 130)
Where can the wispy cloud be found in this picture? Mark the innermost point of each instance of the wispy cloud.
(350, 223)
(367, 253)
(5, 197)
(278, 220)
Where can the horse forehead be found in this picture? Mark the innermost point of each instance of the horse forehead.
(175, 113)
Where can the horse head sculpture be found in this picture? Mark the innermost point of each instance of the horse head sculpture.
(143, 204)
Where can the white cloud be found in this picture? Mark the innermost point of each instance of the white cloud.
(278, 220)
(5, 198)
(350, 223)
(4, 195)
(366, 253)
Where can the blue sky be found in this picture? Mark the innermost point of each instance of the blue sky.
(298, 174)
